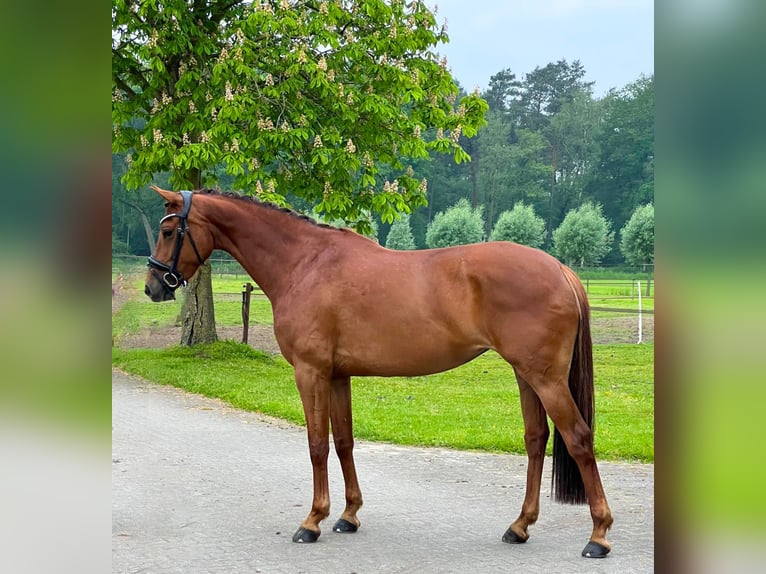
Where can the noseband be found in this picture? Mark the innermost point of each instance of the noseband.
(171, 278)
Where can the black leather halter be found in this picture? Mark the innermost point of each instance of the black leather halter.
(171, 277)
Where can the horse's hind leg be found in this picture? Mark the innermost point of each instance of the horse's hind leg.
(552, 387)
(343, 437)
(578, 438)
(535, 439)
(546, 372)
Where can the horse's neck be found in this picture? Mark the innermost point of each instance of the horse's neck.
(268, 243)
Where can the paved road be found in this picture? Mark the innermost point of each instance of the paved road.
(198, 486)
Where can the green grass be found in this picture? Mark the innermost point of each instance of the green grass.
(135, 316)
(610, 288)
(230, 283)
(610, 273)
(228, 312)
(473, 407)
(616, 294)
(141, 313)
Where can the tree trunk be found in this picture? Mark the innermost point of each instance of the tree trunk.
(549, 224)
(474, 167)
(147, 226)
(549, 230)
(491, 205)
(198, 314)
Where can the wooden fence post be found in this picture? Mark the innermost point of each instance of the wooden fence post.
(246, 290)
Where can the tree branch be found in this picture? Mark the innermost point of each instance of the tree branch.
(125, 87)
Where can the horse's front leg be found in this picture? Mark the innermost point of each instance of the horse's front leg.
(314, 388)
(343, 437)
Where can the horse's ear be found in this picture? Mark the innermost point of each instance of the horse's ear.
(169, 196)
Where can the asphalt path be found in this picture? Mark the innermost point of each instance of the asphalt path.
(199, 486)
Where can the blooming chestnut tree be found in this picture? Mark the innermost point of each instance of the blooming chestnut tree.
(306, 97)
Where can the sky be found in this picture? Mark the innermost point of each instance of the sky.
(613, 39)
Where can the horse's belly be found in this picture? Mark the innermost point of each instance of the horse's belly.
(406, 359)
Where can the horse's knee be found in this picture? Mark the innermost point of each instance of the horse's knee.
(319, 450)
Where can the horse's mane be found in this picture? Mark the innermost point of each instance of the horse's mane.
(267, 205)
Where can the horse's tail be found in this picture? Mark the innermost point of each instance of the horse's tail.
(567, 482)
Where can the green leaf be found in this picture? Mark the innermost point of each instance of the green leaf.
(461, 155)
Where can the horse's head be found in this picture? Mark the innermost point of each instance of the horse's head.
(178, 254)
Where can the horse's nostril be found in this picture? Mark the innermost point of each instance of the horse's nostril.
(147, 291)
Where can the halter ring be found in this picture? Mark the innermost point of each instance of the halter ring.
(174, 284)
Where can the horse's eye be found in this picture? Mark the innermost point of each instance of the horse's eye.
(166, 233)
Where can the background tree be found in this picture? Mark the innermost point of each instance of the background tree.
(551, 144)
(584, 237)
(513, 164)
(400, 235)
(528, 171)
(623, 177)
(544, 92)
(309, 99)
(520, 225)
(447, 182)
(576, 129)
(496, 163)
(119, 247)
(637, 240)
(134, 213)
(503, 91)
(458, 225)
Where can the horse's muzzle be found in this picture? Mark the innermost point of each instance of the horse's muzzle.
(158, 292)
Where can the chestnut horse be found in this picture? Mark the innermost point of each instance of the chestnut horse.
(345, 306)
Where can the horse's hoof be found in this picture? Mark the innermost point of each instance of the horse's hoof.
(595, 550)
(305, 535)
(512, 538)
(344, 525)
